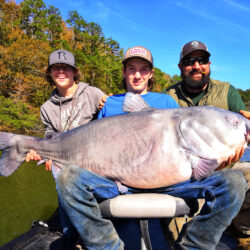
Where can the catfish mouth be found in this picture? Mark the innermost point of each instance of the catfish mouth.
(247, 135)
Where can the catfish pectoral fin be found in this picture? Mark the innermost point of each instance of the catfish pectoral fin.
(122, 188)
(204, 168)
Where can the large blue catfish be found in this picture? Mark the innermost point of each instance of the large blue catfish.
(149, 148)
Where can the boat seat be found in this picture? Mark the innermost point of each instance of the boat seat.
(143, 207)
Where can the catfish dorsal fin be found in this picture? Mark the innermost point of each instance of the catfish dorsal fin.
(134, 102)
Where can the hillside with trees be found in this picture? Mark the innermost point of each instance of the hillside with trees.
(29, 32)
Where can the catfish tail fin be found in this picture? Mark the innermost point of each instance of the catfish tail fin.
(11, 158)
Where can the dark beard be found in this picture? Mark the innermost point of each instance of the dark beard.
(196, 85)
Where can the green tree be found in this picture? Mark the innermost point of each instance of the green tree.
(17, 117)
(175, 79)
(161, 80)
(112, 77)
(54, 26)
(99, 58)
(78, 24)
(33, 18)
(93, 53)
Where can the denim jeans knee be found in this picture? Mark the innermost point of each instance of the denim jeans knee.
(224, 192)
(77, 191)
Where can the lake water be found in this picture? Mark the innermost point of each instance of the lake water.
(27, 195)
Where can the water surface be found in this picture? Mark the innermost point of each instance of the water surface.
(26, 195)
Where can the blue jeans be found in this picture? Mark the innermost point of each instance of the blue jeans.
(80, 191)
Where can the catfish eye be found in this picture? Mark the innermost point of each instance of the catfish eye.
(235, 122)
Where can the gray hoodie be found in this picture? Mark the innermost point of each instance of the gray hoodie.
(60, 114)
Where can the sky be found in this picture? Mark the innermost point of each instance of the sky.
(164, 26)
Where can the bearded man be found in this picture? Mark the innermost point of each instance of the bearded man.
(198, 89)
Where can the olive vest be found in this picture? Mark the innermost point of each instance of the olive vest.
(215, 95)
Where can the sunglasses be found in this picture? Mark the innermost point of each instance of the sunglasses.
(191, 60)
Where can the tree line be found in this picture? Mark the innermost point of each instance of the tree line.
(29, 32)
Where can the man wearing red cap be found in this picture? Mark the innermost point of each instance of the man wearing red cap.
(138, 78)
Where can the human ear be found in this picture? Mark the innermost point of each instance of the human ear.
(151, 74)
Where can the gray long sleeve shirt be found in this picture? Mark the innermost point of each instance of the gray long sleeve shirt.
(60, 114)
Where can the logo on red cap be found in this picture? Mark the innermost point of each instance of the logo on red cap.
(137, 51)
